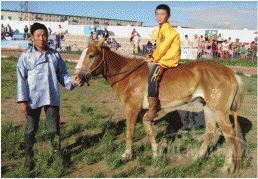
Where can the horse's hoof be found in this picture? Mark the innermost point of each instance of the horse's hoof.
(199, 155)
(127, 156)
(227, 169)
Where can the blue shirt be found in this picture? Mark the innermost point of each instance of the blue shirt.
(38, 78)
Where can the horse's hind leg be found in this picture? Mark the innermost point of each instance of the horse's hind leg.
(210, 131)
(229, 134)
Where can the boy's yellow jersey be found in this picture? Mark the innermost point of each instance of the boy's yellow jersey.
(167, 52)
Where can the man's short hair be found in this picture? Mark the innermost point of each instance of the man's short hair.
(164, 7)
(37, 26)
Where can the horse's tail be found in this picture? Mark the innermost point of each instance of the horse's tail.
(239, 96)
(241, 145)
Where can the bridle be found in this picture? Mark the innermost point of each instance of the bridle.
(105, 69)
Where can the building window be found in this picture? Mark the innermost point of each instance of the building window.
(10, 17)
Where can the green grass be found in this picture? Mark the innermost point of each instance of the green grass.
(83, 114)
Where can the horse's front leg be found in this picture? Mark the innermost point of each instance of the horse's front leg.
(149, 130)
(131, 116)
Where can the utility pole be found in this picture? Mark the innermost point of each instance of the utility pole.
(24, 10)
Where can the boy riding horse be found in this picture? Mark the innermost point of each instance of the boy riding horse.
(166, 55)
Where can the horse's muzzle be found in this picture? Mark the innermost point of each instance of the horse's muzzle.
(79, 80)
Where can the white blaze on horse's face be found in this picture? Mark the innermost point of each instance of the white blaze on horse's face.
(81, 60)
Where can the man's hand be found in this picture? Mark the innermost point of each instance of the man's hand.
(23, 108)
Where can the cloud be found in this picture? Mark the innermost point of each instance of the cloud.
(220, 17)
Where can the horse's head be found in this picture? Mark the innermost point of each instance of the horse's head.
(90, 64)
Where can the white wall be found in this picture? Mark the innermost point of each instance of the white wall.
(125, 31)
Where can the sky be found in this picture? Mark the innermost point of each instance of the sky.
(196, 14)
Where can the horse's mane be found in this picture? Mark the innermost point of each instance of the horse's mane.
(127, 56)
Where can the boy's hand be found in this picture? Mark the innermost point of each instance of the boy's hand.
(146, 59)
(23, 108)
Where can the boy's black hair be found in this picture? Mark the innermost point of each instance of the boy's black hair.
(37, 26)
(164, 7)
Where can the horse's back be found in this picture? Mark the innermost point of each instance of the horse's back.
(198, 79)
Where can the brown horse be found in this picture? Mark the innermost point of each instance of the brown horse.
(217, 85)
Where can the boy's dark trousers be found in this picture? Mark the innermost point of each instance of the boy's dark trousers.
(33, 117)
(153, 87)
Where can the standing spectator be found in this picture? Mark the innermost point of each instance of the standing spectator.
(8, 31)
(243, 52)
(195, 42)
(200, 46)
(105, 34)
(91, 35)
(38, 80)
(95, 34)
(237, 48)
(226, 48)
(253, 49)
(219, 38)
(214, 48)
(220, 49)
(206, 39)
(136, 41)
(133, 34)
(149, 47)
(49, 31)
(2, 31)
(187, 42)
(230, 42)
(26, 32)
(59, 34)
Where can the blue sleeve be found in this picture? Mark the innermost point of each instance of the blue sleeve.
(22, 81)
(64, 78)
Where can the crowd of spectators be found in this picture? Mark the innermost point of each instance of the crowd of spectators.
(221, 48)
(6, 32)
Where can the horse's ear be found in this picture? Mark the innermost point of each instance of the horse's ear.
(100, 43)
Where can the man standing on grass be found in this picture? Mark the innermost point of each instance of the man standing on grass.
(40, 69)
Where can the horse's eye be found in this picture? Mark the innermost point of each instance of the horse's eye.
(91, 56)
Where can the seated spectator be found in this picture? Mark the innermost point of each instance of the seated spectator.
(109, 42)
(243, 52)
(114, 44)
